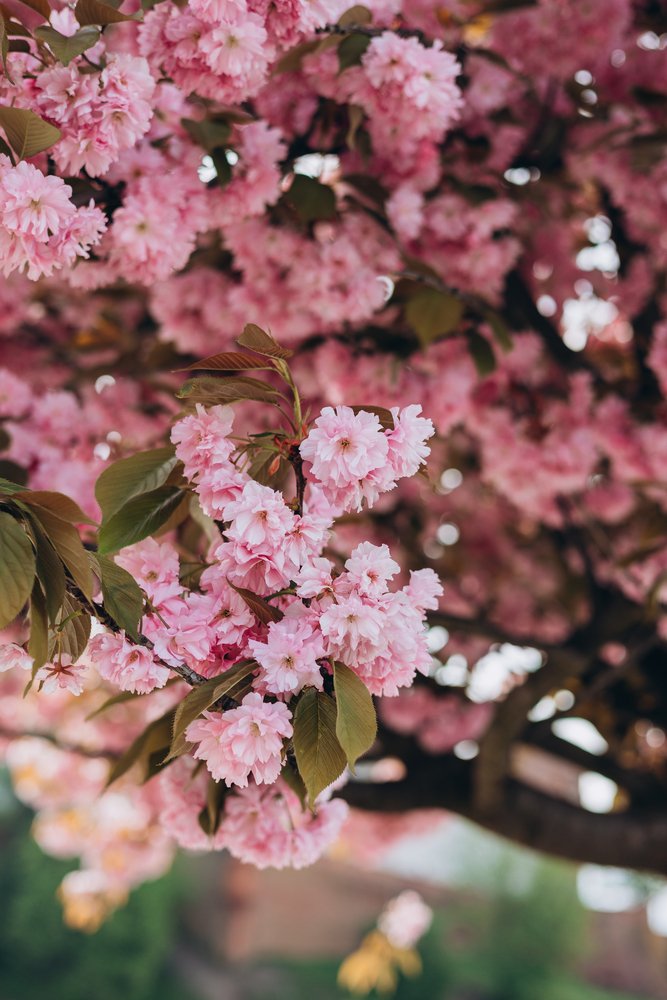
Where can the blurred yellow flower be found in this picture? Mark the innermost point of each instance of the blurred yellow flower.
(375, 966)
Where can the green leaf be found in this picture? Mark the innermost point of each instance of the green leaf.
(211, 814)
(256, 339)
(140, 517)
(13, 477)
(223, 168)
(50, 572)
(27, 133)
(118, 699)
(209, 134)
(384, 416)
(210, 391)
(294, 781)
(129, 477)
(293, 59)
(206, 523)
(122, 596)
(17, 568)
(481, 353)
(4, 47)
(39, 6)
(264, 611)
(73, 637)
(229, 361)
(319, 755)
(155, 738)
(5, 439)
(38, 643)
(67, 47)
(94, 12)
(351, 49)
(57, 503)
(67, 543)
(14, 28)
(500, 330)
(432, 314)
(356, 15)
(356, 723)
(177, 516)
(262, 463)
(234, 683)
(310, 199)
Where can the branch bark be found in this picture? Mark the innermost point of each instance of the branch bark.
(635, 839)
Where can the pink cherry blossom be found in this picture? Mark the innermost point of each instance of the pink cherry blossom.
(202, 440)
(354, 630)
(62, 674)
(130, 667)
(243, 741)
(370, 567)
(32, 204)
(289, 656)
(12, 655)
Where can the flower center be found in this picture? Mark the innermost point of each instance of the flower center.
(288, 661)
(254, 729)
(345, 443)
(151, 576)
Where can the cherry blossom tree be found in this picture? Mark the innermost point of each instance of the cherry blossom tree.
(437, 232)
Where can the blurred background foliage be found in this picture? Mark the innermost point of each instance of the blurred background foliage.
(497, 946)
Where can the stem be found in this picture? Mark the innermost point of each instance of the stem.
(294, 456)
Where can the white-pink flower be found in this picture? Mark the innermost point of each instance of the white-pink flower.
(289, 656)
(32, 204)
(13, 655)
(315, 578)
(345, 450)
(155, 567)
(245, 740)
(63, 674)
(130, 667)
(355, 630)
(202, 440)
(424, 590)
(369, 567)
(260, 519)
(235, 47)
(407, 442)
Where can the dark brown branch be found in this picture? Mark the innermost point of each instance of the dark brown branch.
(635, 839)
(187, 673)
(521, 313)
(491, 766)
(643, 786)
(296, 462)
(364, 29)
(482, 626)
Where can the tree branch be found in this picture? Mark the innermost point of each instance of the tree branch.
(491, 765)
(635, 839)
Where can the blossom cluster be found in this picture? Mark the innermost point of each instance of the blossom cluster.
(99, 114)
(40, 228)
(320, 616)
